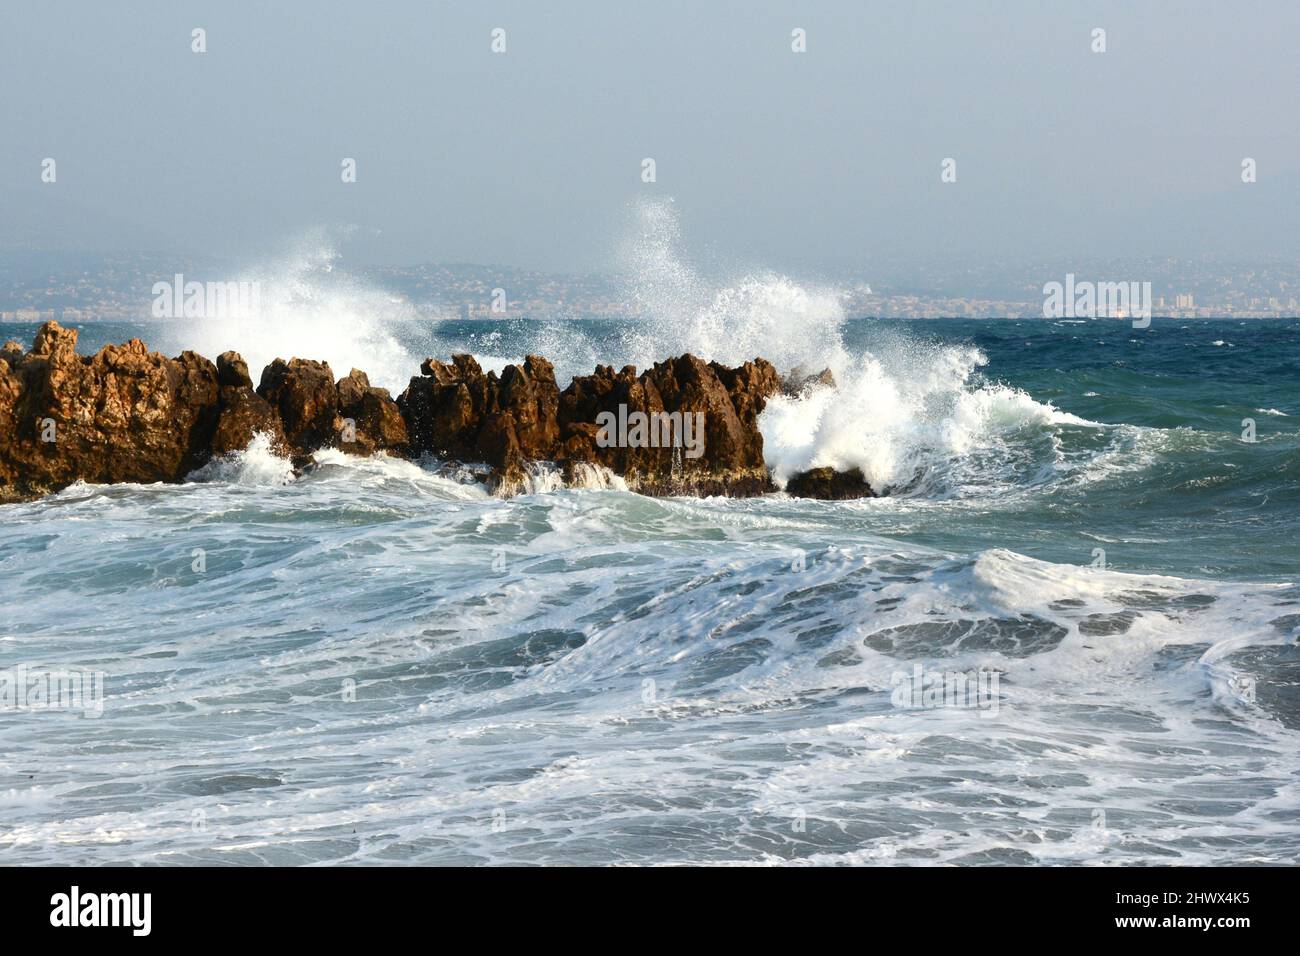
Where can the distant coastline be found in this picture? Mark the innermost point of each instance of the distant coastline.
(80, 287)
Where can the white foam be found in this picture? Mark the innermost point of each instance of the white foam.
(901, 406)
(897, 412)
(308, 310)
(754, 315)
(258, 464)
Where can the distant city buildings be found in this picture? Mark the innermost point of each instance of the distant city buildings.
(119, 288)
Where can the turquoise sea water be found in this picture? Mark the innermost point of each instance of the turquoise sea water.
(377, 663)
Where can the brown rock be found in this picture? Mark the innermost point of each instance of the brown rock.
(303, 394)
(455, 411)
(727, 458)
(352, 387)
(443, 407)
(123, 414)
(127, 414)
(369, 417)
(232, 371)
(611, 394)
(750, 386)
(243, 413)
(830, 484)
(531, 398)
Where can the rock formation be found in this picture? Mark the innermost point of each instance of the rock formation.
(371, 419)
(243, 412)
(830, 484)
(800, 382)
(122, 414)
(726, 402)
(457, 411)
(685, 426)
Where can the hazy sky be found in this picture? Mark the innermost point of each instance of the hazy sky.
(532, 157)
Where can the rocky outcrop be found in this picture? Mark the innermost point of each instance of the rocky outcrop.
(830, 484)
(684, 426)
(306, 399)
(122, 414)
(801, 382)
(316, 412)
(457, 411)
(128, 414)
(371, 421)
(244, 413)
(697, 432)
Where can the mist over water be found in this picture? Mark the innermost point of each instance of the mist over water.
(905, 405)
(382, 664)
(730, 320)
(310, 308)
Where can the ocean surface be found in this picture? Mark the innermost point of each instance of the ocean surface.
(371, 663)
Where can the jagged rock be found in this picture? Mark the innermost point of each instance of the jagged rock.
(352, 388)
(530, 396)
(800, 381)
(581, 406)
(360, 419)
(303, 393)
(243, 413)
(232, 371)
(371, 420)
(443, 407)
(127, 414)
(830, 484)
(456, 411)
(123, 414)
(701, 435)
(750, 386)
(733, 450)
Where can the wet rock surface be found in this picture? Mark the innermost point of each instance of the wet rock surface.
(455, 410)
(371, 421)
(800, 381)
(684, 426)
(243, 412)
(122, 414)
(830, 484)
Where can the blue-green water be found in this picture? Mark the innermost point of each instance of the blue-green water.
(378, 664)
(1161, 476)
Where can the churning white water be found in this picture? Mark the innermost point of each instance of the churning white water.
(375, 661)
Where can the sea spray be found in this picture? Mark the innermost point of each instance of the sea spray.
(258, 464)
(904, 409)
(907, 411)
(308, 308)
(373, 648)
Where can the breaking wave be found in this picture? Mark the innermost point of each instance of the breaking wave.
(904, 409)
(311, 308)
(258, 464)
(914, 415)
